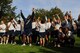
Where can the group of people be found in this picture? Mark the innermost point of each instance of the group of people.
(40, 31)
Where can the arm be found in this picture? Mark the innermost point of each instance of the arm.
(15, 22)
(22, 16)
(32, 14)
(9, 24)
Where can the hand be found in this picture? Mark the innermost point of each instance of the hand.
(57, 14)
(70, 12)
(20, 10)
(33, 9)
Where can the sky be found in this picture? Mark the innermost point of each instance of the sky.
(65, 5)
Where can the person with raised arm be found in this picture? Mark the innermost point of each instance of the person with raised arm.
(27, 28)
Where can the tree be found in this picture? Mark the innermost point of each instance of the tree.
(49, 13)
(6, 9)
(55, 11)
(40, 12)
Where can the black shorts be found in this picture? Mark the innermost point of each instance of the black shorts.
(10, 33)
(42, 34)
(27, 32)
(37, 33)
(2, 34)
(47, 32)
(17, 33)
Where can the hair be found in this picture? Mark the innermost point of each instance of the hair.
(19, 21)
(42, 21)
(34, 19)
(66, 29)
(79, 17)
(61, 28)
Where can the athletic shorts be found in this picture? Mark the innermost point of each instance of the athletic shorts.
(10, 33)
(17, 33)
(2, 34)
(27, 32)
(42, 34)
(48, 32)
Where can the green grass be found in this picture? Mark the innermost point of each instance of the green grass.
(37, 49)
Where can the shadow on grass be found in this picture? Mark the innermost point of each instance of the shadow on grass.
(31, 52)
(61, 50)
(52, 49)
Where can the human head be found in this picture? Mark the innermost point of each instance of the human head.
(2, 22)
(19, 21)
(48, 19)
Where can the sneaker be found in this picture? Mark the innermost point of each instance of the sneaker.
(30, 45)
(54, 45)
(38, 43)
(24, 45)
(14, 43)
(58, 45)
(0, 43)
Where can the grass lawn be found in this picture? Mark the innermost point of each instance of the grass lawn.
(37, 49)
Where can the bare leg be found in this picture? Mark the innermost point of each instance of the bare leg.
(1, 40)
(40, 41)
(7, 39)
(43, 41)
(4, 39)
(27, 39)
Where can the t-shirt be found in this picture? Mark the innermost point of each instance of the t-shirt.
(11, 26)
(37, 27)
(48, 25)
(18, 27)
(58, 26)
(33, 25)
(69, 33)
(42, 27)
(3, 28)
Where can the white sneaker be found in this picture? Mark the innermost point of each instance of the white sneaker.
(30, 45)
(24, 45)
(0, 43)
(38, 42)
(54, 45)
(58, 45)
(14, 43)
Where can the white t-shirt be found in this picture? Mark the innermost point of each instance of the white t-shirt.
(11, 26)
(33, 25)
(3, 28)
(42, 27)
(69, 33)
(58, 26)
(18, 27)
(37, 27)
(48, 25)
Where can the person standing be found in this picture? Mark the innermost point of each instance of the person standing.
(2, 32)
(27, 28)
(42, 31)
(48, 25)
(11, 29)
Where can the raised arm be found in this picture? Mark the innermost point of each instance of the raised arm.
(32, 14)
(22, 16)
